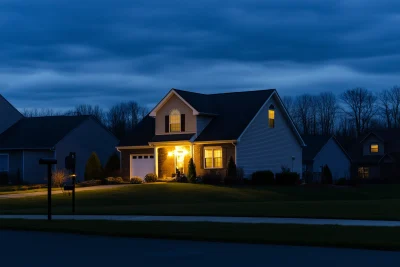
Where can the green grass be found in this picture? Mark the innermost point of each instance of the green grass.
(367, 202)
(382, 238)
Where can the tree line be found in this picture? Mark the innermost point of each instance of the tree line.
(120, 119)
(352, 113)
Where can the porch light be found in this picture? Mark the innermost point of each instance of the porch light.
(179, 151)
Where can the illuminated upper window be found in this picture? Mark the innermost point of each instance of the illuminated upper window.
(271, 116)
(374, 148)
(175, 121)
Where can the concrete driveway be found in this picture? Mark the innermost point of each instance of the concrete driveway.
(55, 249)
(56, 192)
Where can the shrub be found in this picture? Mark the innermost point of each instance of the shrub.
(184, 179)
(136, 180)
(112, 166)
(231, 170)
(3, 178)
(119, 180)
(341, 181)
(191, 171)
(212, 179)
(326, 175)
(287, 178)
(93, 169)
(150, 178)
(59, 177)
(262, 178)
(90, 183)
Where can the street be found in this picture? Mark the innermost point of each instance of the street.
(57, 249)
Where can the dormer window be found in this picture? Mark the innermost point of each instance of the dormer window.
(175, 121)
(271, 116)
(374, 148)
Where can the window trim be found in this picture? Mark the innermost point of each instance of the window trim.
(370, 148)
(204, 157)
(363, 172)
(179, 118)
(271, 108)
(8, 162)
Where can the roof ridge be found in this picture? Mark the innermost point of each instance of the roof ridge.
(223, 93)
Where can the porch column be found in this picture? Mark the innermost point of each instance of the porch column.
(156, 160)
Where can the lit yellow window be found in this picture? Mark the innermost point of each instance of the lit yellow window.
(175, 121)
(212, 158)
(271, 117)
(374, 148)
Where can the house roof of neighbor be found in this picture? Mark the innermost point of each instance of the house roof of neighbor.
(390, 138)
(230, 114)
(314, 145)
(39, 132)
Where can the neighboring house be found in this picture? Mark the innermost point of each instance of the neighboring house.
(375, 155)
(252, 127)
(8, 114)
(324, 150)
(29, 139)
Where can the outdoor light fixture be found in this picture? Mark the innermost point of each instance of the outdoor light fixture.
(179, 151)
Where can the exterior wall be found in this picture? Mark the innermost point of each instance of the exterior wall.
(373, 140)
(228, 150)
(8, 115)
(175, 103)
(34, 173)
(333, 156)
(89, 137)
(264, 148)
(202, 122)
(14, 165)
(126, 158)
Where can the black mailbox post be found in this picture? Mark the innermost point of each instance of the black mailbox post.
(49, 163)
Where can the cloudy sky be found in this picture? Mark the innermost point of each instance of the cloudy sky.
(57, 54)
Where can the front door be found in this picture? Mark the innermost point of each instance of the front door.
(180, 160)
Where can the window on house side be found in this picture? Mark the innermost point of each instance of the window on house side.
(4, 163)
(212, 158)
(175, 121)
(271, 117)
(363, 172)
(374, 148)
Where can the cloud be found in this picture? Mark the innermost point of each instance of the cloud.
(59, 54)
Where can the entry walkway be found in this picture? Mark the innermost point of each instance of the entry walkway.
(262, 220)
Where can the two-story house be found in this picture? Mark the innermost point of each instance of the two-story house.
(376, 155)
(252, 127)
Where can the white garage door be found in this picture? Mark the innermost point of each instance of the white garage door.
(142, 165)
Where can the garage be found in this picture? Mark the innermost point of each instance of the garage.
(142, 165)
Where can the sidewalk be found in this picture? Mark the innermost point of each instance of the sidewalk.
(262, 220)
(55, 192)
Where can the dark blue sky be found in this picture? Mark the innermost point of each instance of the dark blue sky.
(57, 54)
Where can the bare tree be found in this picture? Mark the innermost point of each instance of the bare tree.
(85, 109)
(360, 106)
(327, 109)
(303, 110)
(389, 101)
(43, 112)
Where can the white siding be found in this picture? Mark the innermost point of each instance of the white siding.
(8, 114)
(89, 137)
(333, 156)
(264, 148)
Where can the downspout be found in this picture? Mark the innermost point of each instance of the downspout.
(235, 154)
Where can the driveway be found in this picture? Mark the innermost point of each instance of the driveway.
(55, 192)
(54, 249)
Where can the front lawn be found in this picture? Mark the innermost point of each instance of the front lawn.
(366, 202)
(382, 238)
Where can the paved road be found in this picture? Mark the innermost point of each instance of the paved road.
(55, 192)
(137, 218)
(53, 249)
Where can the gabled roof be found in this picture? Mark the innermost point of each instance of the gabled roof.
(314, 144)
(39, 132)
(142, 134)
(11, 105)
(231, 114)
